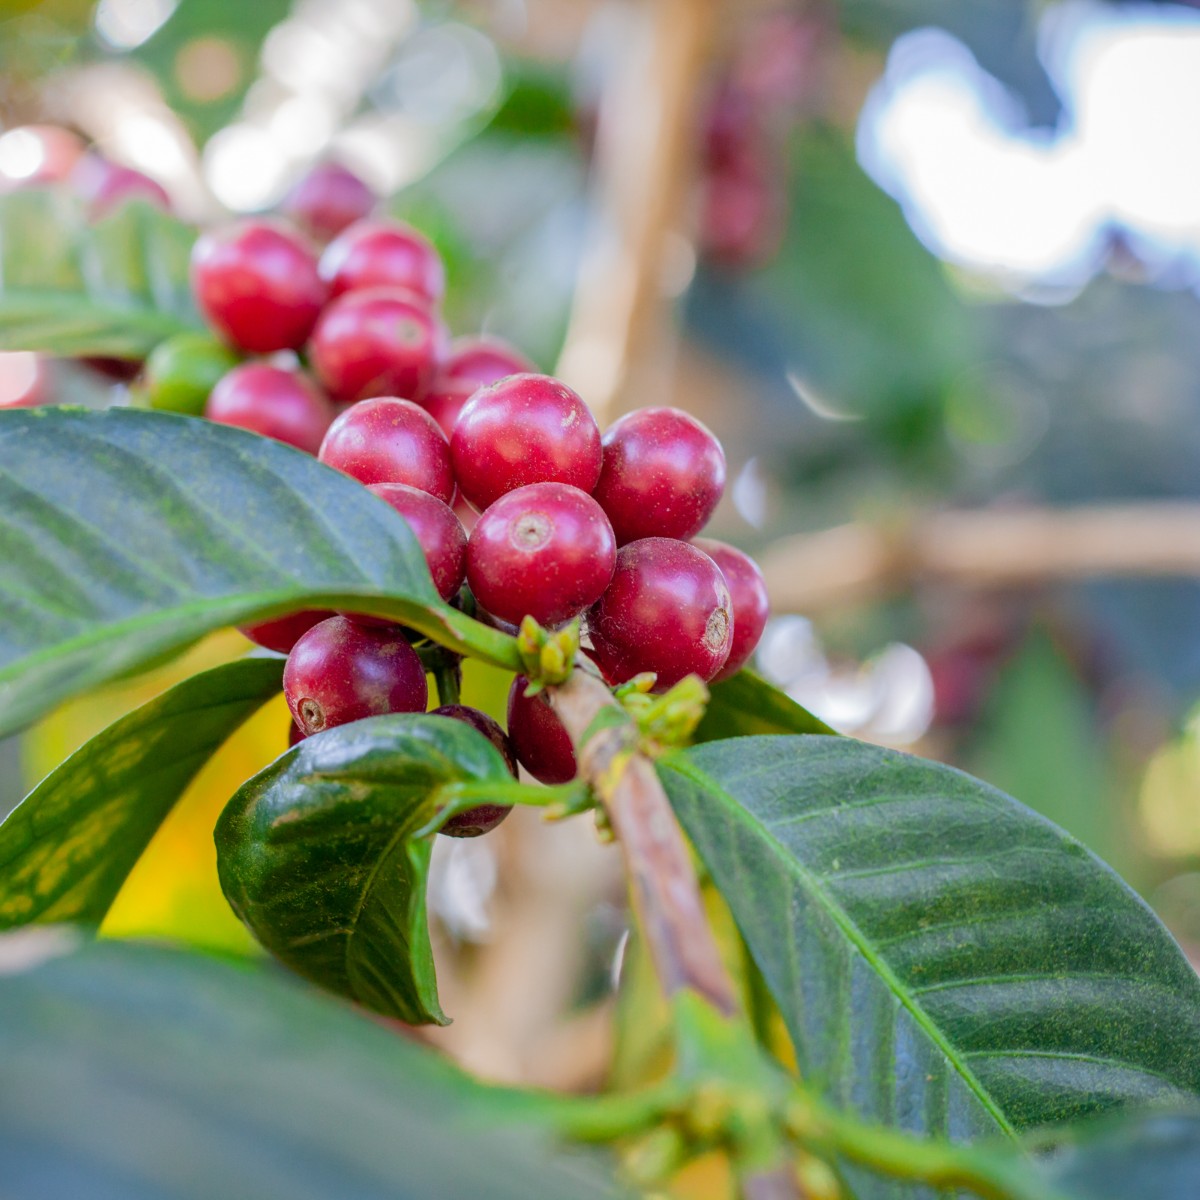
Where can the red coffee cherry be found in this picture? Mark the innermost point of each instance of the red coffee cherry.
(295, 735)
(389, 440)
(667, 610)
(107, 185)
(26, 379)
(546, 550)
(327, 200)
(542, 746)
(379, 253)
(378, 342)
(663, 474)
(437, 529)
(446, 399)
(278, 403)
(282, 633)
(484, 359)
(341, 671)
(748, 594)
(257, 283)
(524, 429)
(485, 817)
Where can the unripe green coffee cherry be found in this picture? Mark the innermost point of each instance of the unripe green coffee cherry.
(181, 372)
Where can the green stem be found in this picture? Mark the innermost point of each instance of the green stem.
(994, 1175)
(447, 678)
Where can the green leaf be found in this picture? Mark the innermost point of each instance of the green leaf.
(67, 287)
(1153, 1156)
(946, 960)
(318, 854)
(128, 535)
(149, 1074)
(67, 848)
(745, 704)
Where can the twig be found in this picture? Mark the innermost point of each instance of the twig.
(665, 893)
(643, 169)
(858, 562)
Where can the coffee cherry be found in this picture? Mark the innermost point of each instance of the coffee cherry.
(327, 200)
(663, 474)
(667, 610)
(295, 734)
(524, 429)
(439, 532)
(182, 371)
(342, 671)
(378, 253)
(485, 817)
(388, 440)
(446, 399)
(748, 594)
(546, 550)
(278, 403)
(378, 342)
(542, 746)
(257, 283)
(26, 379)
(282, 633)
(742, 215)
(484, 359)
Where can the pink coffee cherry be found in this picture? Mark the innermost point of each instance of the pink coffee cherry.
(484, 817)
(524, 429)
(545, 550)
(278, 403)
(378, 342)
(484, 359)
(667, 610)
(380, 253)
(389, 440)
(663, 474)
(438, 531)
(256, 282)
(446, 399)
(541, 743)
(327, 200)
(341, 671)
(748, 593)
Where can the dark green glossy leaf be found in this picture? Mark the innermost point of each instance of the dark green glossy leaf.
(746, 704)
(128, 535)
(946, 960)
(318, 855)
(67, 287)
(140, 1073)
(67, 848)
(1154, 1156)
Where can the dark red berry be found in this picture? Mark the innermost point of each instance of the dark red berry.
(342, 671)
(667, 610)
(295, 735)
(484, 359)
(257, 283)
(446, 399)
(379, 342)
(274, 401)
(542, 745)
(747, 593)
(663, 474)
(437, 529)
(282, 633)
(378, 253)
(389, 440)
(485, 817)
(327, 200)
(545, 550)
(524, 429)
(742, 216)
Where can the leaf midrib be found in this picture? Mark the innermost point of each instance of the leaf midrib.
(853, 934)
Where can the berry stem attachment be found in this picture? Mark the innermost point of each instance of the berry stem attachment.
(666, 896)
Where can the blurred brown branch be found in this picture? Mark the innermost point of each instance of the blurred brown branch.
(859, 562)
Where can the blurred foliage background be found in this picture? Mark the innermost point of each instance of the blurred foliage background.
(904, 256)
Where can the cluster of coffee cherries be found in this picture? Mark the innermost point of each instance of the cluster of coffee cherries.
(520, 506)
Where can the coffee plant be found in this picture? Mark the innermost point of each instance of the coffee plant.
(975, 1004)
